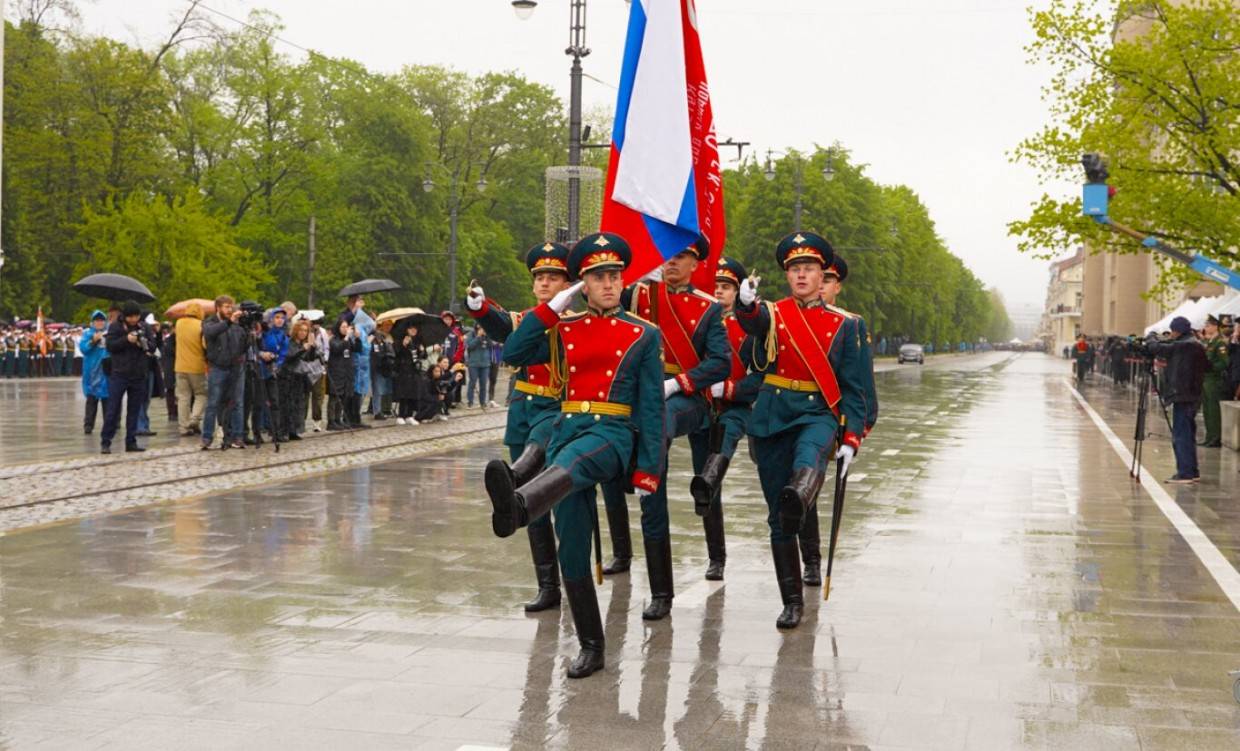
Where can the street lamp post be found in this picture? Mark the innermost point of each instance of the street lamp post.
(454, 209)
(577, 49)
(828, 174)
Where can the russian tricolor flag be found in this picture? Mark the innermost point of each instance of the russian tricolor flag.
(663, 183)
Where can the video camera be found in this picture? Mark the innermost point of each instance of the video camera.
(251, 314)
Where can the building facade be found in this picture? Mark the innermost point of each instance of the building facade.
(1061, 319)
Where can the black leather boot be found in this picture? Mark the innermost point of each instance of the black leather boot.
(502, 480)
(811, 548)
(621, 539)
(659, 569)
(716, 551)
(546, 568)
(705, 486)
(787, 565)
(796, 497)
(583, 602)
(530, 501)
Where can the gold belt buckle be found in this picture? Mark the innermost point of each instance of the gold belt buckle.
(585, 407)
(796, 385)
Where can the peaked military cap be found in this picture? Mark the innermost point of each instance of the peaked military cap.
(699, 248)
(602, 250)
(838, 267)
(730, 270)
(804, 245)
(547, 257)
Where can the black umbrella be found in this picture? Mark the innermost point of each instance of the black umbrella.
(366, 286)
(114, 287)
(431, 329)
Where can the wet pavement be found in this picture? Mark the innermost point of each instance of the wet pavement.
(1000, 584)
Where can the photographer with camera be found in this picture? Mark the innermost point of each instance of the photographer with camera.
(128, 342)
(1183, 379)
(226, 343)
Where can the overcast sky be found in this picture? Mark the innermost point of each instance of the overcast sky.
(929, 94)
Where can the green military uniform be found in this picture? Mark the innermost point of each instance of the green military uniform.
(714, 444)
(1212, 388)
(610, 364)
(813, 379)
(531, 415)
(810, 537)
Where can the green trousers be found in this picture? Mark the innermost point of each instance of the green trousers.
(1211, 412)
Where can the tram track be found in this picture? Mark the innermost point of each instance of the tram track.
(172, 469)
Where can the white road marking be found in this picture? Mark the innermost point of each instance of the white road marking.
(891, 452)
(1223, 572)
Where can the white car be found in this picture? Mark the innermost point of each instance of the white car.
(911, 353)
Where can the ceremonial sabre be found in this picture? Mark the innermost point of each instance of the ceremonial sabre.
(837, 509)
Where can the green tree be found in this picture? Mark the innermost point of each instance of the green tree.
(1156, 87)
(175, 247)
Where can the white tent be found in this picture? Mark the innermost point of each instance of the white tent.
(1196, 311)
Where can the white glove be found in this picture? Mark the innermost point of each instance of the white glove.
(642, 493)
(670, 386)
(717, 390)
(846, 454)
(654, 275)
(475, 298)
(563, 298)
(749, 290)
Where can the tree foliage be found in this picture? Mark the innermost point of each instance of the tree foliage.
(1156, 87)
(902, 278)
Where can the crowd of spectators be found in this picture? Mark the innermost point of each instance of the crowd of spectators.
(255, 375)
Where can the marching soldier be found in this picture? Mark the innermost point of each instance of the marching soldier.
(610, 365)
(696, 356)
(531, 413)
(714, 446)
(813, 386)
(809, 538)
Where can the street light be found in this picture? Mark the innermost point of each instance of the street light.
(454, 208)
(576, 49)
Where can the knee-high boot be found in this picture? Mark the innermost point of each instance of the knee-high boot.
(546, 568)
(811, 548)
(705, 486)
(796, 497)
(716, 550)
(502, 480)
(530, 501)
(659, 568)
(583, 602)
(621, 539)
(787, 573)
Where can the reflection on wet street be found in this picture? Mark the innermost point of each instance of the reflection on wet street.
(1000, 584)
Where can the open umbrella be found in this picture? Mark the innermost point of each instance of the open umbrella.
(367, 286)
(114, 287)
(431, 330)
(179, 310)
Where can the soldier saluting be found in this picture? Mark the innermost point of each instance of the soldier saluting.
(696, 356)
(610, 365)
(731, 400)
(813, 382)
(531, 413)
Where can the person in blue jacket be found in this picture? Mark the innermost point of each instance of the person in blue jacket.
(94, 382)
(273, 348)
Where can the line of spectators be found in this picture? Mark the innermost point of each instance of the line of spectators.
(272, 374)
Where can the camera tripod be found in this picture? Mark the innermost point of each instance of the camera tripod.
(1146, 381)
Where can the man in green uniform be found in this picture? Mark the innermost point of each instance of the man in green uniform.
(696, 356)
(809, 537)
(532, 412)
(1212, 388)
(612, 411)
(813, 390)
(715, 443)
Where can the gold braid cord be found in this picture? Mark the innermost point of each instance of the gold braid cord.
(555, 363)
(772, 341)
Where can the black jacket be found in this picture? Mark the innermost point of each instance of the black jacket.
(128, 359)
(340, 365)
(1185, 371)
(226, 342)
